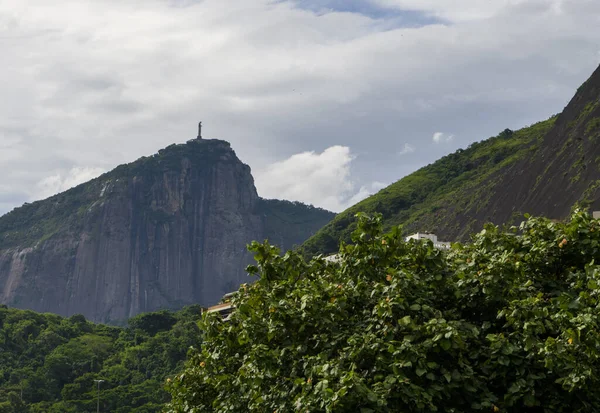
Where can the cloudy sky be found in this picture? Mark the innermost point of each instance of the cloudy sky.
(327, 100)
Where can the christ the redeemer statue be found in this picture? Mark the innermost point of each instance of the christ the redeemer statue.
(199, 130)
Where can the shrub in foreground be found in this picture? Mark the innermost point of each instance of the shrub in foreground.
(507, 323)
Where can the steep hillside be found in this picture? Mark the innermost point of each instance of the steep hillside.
(543, 169)
(162, 232)
(433, 197)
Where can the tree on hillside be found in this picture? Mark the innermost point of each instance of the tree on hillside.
(507, 323)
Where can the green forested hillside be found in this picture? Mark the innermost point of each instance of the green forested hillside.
(433, 193)
(49, 363)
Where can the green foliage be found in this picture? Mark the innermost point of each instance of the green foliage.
(589, 108)
(432, 193)
(506, 134)
(507, 323)
(152, 323)
(288, 224)
(293, 212)
(52, 361)
(592, 128)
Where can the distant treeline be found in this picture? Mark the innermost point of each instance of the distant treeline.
(49, 363)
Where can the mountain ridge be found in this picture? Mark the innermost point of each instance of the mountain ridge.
(164, 231)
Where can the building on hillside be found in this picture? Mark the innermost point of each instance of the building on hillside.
(224, 308)
(596, 214)
(431, 237)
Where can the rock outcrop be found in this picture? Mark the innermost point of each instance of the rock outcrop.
(165, 231)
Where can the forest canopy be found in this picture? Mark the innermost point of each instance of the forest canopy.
(48, 363)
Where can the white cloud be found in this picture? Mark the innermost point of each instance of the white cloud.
(56, 183)
(406, 149)
(364, 192)
(440, 137)
(321, 179)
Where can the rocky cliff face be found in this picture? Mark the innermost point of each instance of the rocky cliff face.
(165, 231)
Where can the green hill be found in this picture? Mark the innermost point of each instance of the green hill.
(433, 193)
(543, 169)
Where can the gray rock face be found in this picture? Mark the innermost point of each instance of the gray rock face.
(163, 232)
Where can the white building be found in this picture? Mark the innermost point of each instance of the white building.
(432, 237)
(596, 214)
(332, 258)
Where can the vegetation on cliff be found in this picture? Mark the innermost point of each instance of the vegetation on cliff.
(49, 363)
(506, 323)
(543, 169)
(291, 223)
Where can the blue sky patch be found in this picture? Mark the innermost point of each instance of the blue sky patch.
(405, 18)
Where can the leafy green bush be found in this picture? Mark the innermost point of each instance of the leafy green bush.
(507, 323)
(152, 323)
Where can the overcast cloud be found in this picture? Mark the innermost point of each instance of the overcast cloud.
(326, 100)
